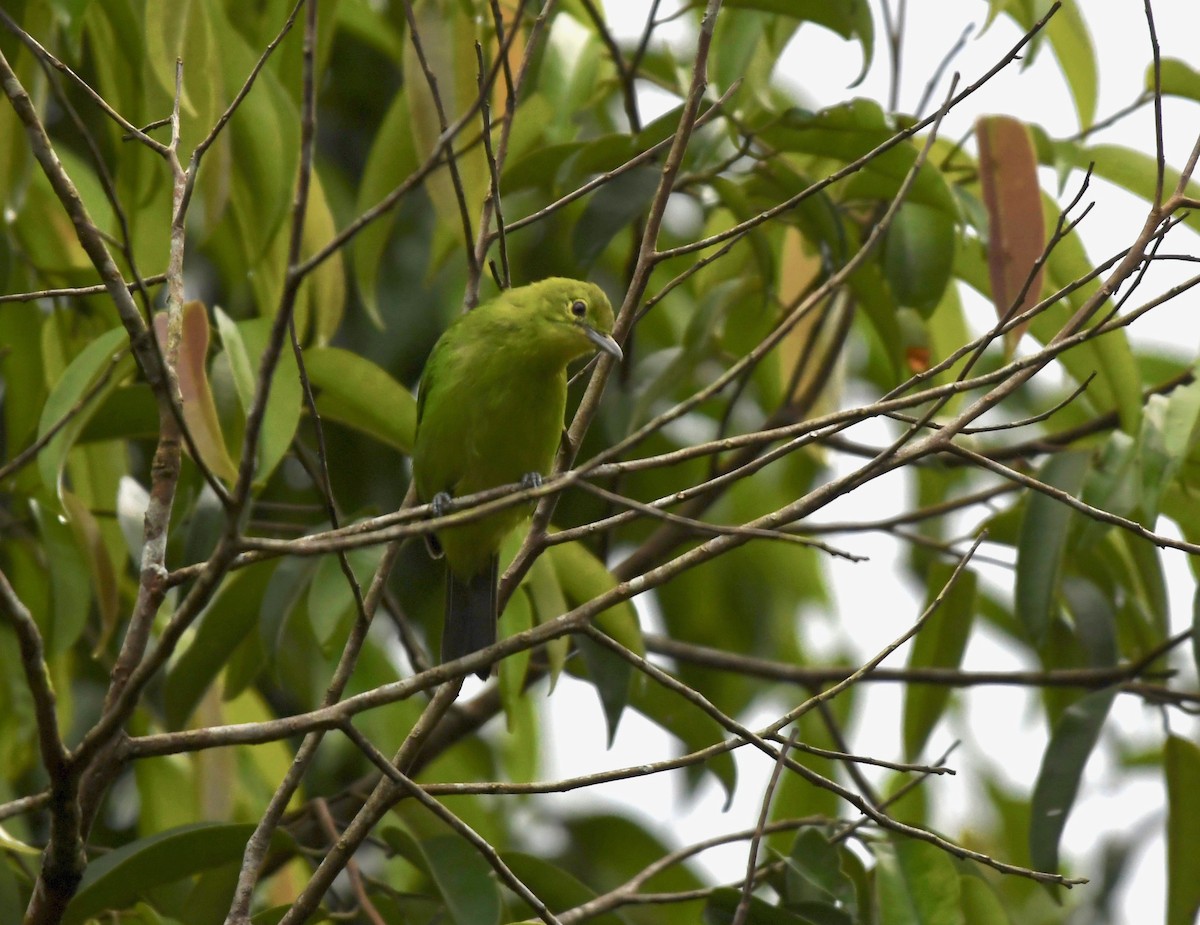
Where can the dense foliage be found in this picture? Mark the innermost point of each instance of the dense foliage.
(232, 233)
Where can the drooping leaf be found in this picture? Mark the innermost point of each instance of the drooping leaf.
(1042, 542)
(70, 590)
(100, 567)
(1170, 427)
(851, 20)
(229, 618)
(464, 879)
(814, 869)
(331, 603)
(448, 35)
(199, 410)
(390, 161)
(917, 884)
(604, 216)
(939, 644)
(918, 256)
(980, 904)
(1068, 35)
(284, 402)
(557, 888)
(695, 729)
(1182, 769)
(582, 577)
(517, 617)
(1016, 230)
(1063, 763)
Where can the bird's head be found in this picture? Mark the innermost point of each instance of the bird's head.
(579, 312)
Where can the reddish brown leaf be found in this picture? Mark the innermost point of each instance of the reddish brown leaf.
(1016, 230)
(199, 409)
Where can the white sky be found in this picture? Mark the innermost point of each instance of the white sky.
(871, 607)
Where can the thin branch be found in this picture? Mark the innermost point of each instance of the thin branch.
(1159, 155)
(431, 82)
(77, 291)
(743, 227)
(101, 103)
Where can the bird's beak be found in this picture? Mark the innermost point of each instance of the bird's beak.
(604, 342)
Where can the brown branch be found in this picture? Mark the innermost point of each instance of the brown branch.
(76, 291)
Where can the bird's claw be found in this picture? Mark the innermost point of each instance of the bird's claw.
(440, 504)
(531, 480)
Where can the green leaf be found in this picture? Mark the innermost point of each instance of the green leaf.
(1181, 764)
(118, 878)
(917, 884)
(8, 843)
(547, 601)
(1095, 620)
(239, 359)
(918, 255)
(264, 136)
(583, 577)
(464, 879)
(227, 620)
(1043, 540)
(322, 298)
(448, 34)
(283, 404)
(558, 888)
(1068, 35)
(100, 355)
(1177, 78)
(357, 393)
(814, 870)
(980, 904)
(851, 19)
(90, 542)
(695, 729)
(517, 617)
(722, 906)
(605, 216)
(391, 159)
(1135, 171)
(1074, 737)
(1170, 428)
(21, 362)
(331, 604)
(70, 589)
(1196, 627)
(43, 229)
(940, 644)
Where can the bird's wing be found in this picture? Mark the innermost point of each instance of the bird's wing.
(424, 386)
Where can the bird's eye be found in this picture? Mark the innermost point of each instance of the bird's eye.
(579, 308)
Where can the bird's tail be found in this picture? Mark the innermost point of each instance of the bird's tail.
(470, 613)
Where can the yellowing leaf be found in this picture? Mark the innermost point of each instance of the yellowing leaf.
(104, 578)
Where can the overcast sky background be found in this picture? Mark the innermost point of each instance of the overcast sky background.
(874, 602)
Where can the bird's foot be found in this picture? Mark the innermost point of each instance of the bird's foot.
(531, 480)
(440, 504)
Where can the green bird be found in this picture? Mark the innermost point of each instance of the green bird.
(490, 411)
